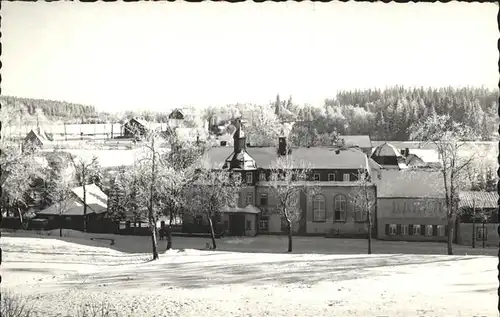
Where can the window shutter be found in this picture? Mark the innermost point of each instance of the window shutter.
(398, 230)
(386, 229)
(410, 230)
(422, 230)
(434, 230)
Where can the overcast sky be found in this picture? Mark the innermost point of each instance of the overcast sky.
(162, 55)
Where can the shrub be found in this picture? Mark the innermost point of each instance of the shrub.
(13, 305)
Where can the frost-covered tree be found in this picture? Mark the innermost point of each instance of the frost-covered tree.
(287, 180)
(212, 191)
(20, 169)
(87, 171)
(449, 138)
(363, 197)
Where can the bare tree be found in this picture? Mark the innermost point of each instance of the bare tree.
(287, 180)
(449, 138)
(214, 190)
(86, 170)
(363, 197)
(59, 192)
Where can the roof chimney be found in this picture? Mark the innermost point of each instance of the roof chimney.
(239, 136)
(283, 148)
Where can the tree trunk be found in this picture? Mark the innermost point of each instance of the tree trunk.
(169, 233)
(369, 233)
(60, 225)
(450, 234)
(212, 233)
(84, 205)
(474, 228)
(153, 241)
(290, 232)
(20, 215)
(484, 235)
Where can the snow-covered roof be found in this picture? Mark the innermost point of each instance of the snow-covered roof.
(75, 208)
(363, 141)
(249, 209)
(409, 184)
(478, 199)
(97, 200)
(386, 149)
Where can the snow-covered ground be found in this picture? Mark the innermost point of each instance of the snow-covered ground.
(331, 280)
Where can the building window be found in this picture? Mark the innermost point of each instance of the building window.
(249, 200)
(331, 177)
(391, 229)
(440, 230)
(316, 177)
(264, 224)
(249, 178)
(262, 176)
(319, 211)
(263, 199)
(428, 230)
(347, 177)
(404, 230)
(248, 225)
(340, 203)
(237, 177)
(416, 230)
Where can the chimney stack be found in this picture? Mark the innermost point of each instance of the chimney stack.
(239, 137)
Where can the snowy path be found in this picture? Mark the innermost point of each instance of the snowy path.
(60, 274)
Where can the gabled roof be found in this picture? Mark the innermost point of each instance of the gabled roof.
(40, 136)
(363, 141)
(97, 200)
(478, 199)
(317, 157)
(409, 184)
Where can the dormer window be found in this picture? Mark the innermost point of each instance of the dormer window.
(262, 176)
(316, 177)
(331, 177)
(249, 178)
(347, 177)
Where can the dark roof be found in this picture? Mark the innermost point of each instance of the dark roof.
(478, 199)
(317, 157)
(362, 141)
(410, 184)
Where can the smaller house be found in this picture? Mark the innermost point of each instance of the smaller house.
(478, 221)
(39, 139)
(411, 206)
(97, 206)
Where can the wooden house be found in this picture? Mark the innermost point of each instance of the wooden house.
(478, 220)
(72, 217)
(38, 139)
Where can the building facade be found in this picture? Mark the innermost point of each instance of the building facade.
(411, 206)
(331, 211)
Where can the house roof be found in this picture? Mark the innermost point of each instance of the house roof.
(478, 199)
(363, 141)
(97, 200)
(40, 136)
(386, 149)
(317, 157)
(409, 184)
